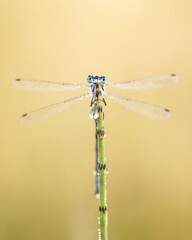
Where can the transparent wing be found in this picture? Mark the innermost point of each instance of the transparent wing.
(147, 83)
(143, 108)
(37, 85)
(50, 110)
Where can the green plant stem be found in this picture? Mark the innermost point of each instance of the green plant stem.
(103, 221)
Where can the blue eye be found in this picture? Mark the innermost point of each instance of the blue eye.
(90, 79)
(103, 79)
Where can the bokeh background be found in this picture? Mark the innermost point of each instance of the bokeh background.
(46, 168)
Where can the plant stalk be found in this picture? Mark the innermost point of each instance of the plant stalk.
(103, 221)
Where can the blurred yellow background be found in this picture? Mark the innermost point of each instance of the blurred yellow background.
(46, 168)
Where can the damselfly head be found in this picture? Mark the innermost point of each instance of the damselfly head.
(94, 79)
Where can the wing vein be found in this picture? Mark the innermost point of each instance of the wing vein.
(146, 109)
(147, 83)
(50, 110)
(38, 85)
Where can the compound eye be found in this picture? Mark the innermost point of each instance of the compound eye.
(89, 79)
(102, 79)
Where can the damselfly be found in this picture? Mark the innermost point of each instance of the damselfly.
(133, 105)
